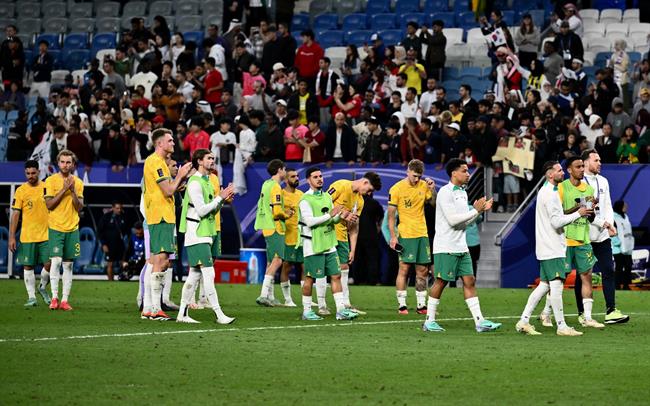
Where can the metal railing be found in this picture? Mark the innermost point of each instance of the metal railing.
(511, 220)
(476, 185)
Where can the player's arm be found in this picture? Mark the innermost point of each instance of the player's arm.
(391, 225)
(456, 219)
(307, 216)
(432, 194)
(168, 186)
(52, 201)
(276, 205)
(13, 227)
(353, 233)
(77, 196)
(559, 218)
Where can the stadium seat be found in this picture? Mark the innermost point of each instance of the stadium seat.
(611, 15)
(377, 6)
(12, 116)
(80, 10)
(630, 15)
(536, 15)
(358, 38)
(29, 10)
(590, 15)
(435, 6)
(355, 21)
(466, 18)
(595, 28)
(196, 36)
(134, 9)
(447, 17)
(391, 37)
(296, 35)
(634, 57)
(407, 6)
(212, 7)
(52, 39)
(382, 21)
(461, 5)
(346, 7)
(330, 38)
(187, 8)
(5, 21)
(4, 245)
(458, 54)
(509, 17)
(209, 19)
(189, 23)
(55, 24)
(601, 58)
(55, 9)
(105, 40)
(29, 58)
(82, 25)
(107, 9)
(319, 7)
(471, 72)
(103, 53)
(299, 22)
(171, 21)
(161, 8)
(623, 28)
(454, 35)
(59, 74)
(28, 25)
(325, 22)
(76, 41)
(450, 73)
(475, 36)
(87, 242)
(75, 58)
(524, 5)
(336, 54)
(7, 10)
(125, 22)
(108, 24)
(419, 18)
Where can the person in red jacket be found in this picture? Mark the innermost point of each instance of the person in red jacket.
(212, 83)
(196, 138)
(307, 58)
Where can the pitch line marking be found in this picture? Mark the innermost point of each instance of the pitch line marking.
(225, 330)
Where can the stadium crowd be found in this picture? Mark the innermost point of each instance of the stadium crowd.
(251, 93)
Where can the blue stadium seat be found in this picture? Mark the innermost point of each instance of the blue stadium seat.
(450, 73)
(466, 18)
(590, 70)
(523, 5)
(382, 21)
(435, 6)
(471, 72)
(536, 15)
(76, 41)
(476, 84)
(461, 5)
(509, 17)
(601, 58)
(447, 17)
(29, 58)
(4, 246)
(634, 58)
(105, 40)
(3, 116)
(12, 115)
(377, 6)
(391, 37)
(56, 55)
(407, 6)
(296, 35)
(87, 242)
(406, 18)
(330, 38)
(52, 39)
(324, 22)
(358, 38)
(603, 4)
(196, 36)
(74, 59)
(352, 22)
(299, 22)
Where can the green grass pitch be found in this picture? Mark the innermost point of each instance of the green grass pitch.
(103, 353)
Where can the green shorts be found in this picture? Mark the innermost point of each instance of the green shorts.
(581, 257)
(416, 250)
(162, 238)
(64, 245)
(216, 245)
(293, 254)
(450, 267)
(550, 269)
(33, 253)
(322, 265)
(199, 255)
(343, 251)
(274, 247)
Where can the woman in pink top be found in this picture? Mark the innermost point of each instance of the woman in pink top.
(196, 138)
(249, 78)
(292, 137)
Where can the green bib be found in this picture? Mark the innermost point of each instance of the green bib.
(323, 236)
(579, 229)
(206, 224)
(264, 215)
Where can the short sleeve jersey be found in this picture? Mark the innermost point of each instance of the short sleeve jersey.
(277, 205)
(31, 203)
(409, 201)
(214, 179)
(64, 217)
(291, 224)
(342, 195)
(157, 207)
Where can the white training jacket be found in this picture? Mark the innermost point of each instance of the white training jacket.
(605, 212)
(453, 215)
(550, 220)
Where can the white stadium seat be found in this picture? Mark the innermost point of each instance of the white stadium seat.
(475, 35)
(589, 14)
(611, 15)
(622, 28)
(454, 35)
(639, 28)
(630, 15)
(58, 76)
(597, 28)
(595, 48)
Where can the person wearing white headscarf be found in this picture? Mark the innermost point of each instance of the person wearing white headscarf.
(572, 16)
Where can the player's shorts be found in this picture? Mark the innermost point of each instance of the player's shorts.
(510, 184)
(162, 238)
(147, 246)
(555, 268)
(199, 255)
(274, 247)
(416, 250)
(322, 265)
(452, 266)
(33, 253)
(64, 245)
(343, 251)
(216, 245)
(581, 257)
(293, 254)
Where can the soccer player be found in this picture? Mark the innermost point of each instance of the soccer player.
(29, 204)
(574, 193)
(406, 200)
(450, 251)
(318, 217)
(291, 195)
(349, 194)
(550, 249)
(64, 200)
(600, 231)
(159, 189)
(200, 204)
(270, 218)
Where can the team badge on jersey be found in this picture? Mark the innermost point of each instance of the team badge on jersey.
(160, 172)
(331, 191)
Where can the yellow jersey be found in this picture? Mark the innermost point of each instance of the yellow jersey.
(413, 78)
(342, 195)
(276, 202)
(291, 224)
(31, 203)
(214, 179)
(409, 201)
(64, 217)
(157, 207)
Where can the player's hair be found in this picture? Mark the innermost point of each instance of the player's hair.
(274, 166)
(137, 225)
(67, 152)
(453, 165)
(31, 164)
(115, 201)
(311, 170)
(586, 154)
(198, 155)
(570, 160)
(416, 166)
(374, 180)
(159, 133)
(548, 165)
(291, 170)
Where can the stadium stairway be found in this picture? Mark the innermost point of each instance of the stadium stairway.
(489, 265)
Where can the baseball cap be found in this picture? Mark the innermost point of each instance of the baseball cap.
(455, 126)
(282, 102)
(278, 66)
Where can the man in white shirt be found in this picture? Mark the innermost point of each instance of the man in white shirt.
(184, 87)
(450, 252)
(410, 107)
(550, 250)
(428, 97)
(600, 231)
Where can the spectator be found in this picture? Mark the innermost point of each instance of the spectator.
(453, 143)
(112, 77)
(248, 78)
(593, 130)
(527, 39)
(243, 154)
(553, 62)
(468, 105)
(413, 142)
(241, 63)
(606, 91)
(293, 135)
(326, 82)
(414, 72)
(308, 57)
(348, 101)
(620, 61)
(42, 67)
(259, 100)
(622, 246)
(314, 143)
(222, 143)
(196, 138)
(351, 64)
(226, 109)
(641, 78)
(255, 13)
(270, 140)
(13, 98)
(498, 33)
(571, 16)
(568, 44)
(270, 51)
(284, 12)
(134, 257)
(341, 142)
(212, 83)
(12, 57)
(377, 144)
(114, 148)
(628, 146)
(642, 104)
(618, 118)
(428, 97)
(78, 143)
(304, 102)
(286, 44)
(412, 41)
(160, 28)
(185, 88)
(606, 145)
(436, 42)
(410, 108)
(112, 230)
